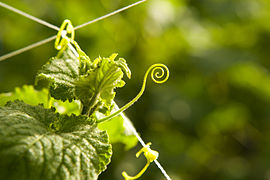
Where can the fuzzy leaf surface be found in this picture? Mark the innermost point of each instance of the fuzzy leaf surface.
(61, 71)
(92, 83)
(31, 149)
(116, 128)
(101, 81)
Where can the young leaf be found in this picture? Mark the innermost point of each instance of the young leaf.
(90, 82)
(99, 84)
(62, 72)
(36, 143)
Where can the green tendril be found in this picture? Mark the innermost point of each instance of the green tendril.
(157, 75)
(66, 28)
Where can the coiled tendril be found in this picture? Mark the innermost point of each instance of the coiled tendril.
(158, 72)
(157, 75)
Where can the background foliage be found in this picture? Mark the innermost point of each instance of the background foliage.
(211, 119)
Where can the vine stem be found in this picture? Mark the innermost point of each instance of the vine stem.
(155, 77)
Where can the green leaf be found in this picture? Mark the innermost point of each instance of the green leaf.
(119, 131)
(92, 83)
(121, 62)
(101, 81)
(123, 65)
(31, 96)
(116, 128)
(26, 93)
(31, 148)
(62, 72)
(99, 84)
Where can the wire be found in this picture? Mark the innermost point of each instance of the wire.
(19, 51)
(162, 170)
(128, 124)
(29, 16)
(110, 14)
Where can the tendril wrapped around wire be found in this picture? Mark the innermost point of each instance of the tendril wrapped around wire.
(158, 71)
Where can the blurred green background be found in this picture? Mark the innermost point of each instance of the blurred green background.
(211, 120)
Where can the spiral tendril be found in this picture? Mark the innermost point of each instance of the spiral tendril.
(157, 75)
(158, 72)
